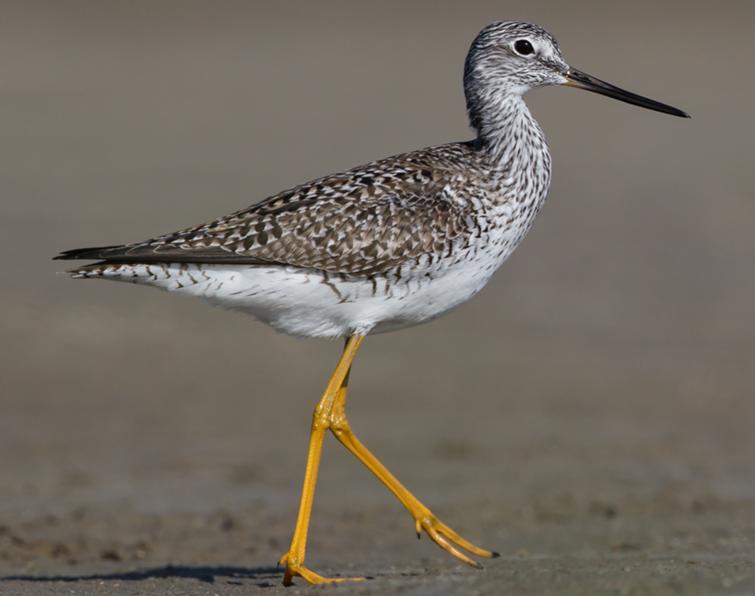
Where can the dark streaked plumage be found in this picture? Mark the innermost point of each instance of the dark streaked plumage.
(369, 220)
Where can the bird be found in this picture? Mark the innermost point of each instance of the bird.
(378, 247)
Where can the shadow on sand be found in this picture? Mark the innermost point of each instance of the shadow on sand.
(270, 575)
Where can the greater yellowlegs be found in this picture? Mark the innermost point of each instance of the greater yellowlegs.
(379, 247)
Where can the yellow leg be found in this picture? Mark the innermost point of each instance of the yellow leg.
(294, 558)
(424, 519)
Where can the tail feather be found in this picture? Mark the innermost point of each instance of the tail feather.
(93, 252)
(155, 252)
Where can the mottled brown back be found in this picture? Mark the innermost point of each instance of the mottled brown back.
(365, 221)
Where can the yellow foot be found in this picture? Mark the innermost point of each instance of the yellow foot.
(446, 538)
(296, 570)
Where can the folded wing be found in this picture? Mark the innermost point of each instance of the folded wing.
(361, 222)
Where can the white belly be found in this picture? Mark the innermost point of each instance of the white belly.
(309, 303)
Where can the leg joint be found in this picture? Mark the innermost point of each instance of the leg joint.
(339, 424)
(321, 416)
(320, 421)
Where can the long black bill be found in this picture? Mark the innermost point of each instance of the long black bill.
(582, 80)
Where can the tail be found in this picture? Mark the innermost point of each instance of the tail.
(93, 252)
(99, 253)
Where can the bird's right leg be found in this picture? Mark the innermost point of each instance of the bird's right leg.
(424, 519)
(294, 558)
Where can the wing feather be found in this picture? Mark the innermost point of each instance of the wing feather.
(364, 221)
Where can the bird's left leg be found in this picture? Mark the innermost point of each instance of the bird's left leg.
(424, 519)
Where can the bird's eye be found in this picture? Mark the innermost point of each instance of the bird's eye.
(523, 47)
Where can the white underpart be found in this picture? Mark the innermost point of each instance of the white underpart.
(306, 302)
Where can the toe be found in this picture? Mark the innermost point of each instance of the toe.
(463, 542)
(312, 577)
(449, 540)
(438, 538)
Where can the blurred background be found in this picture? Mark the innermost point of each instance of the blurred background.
(594, 401)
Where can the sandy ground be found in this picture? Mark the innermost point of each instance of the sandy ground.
(590, 415)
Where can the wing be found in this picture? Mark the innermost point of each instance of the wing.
(364, 221)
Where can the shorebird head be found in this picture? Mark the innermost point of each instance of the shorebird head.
(512, 57)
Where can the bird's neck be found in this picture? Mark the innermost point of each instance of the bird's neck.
(505, 126)
(513, 141)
